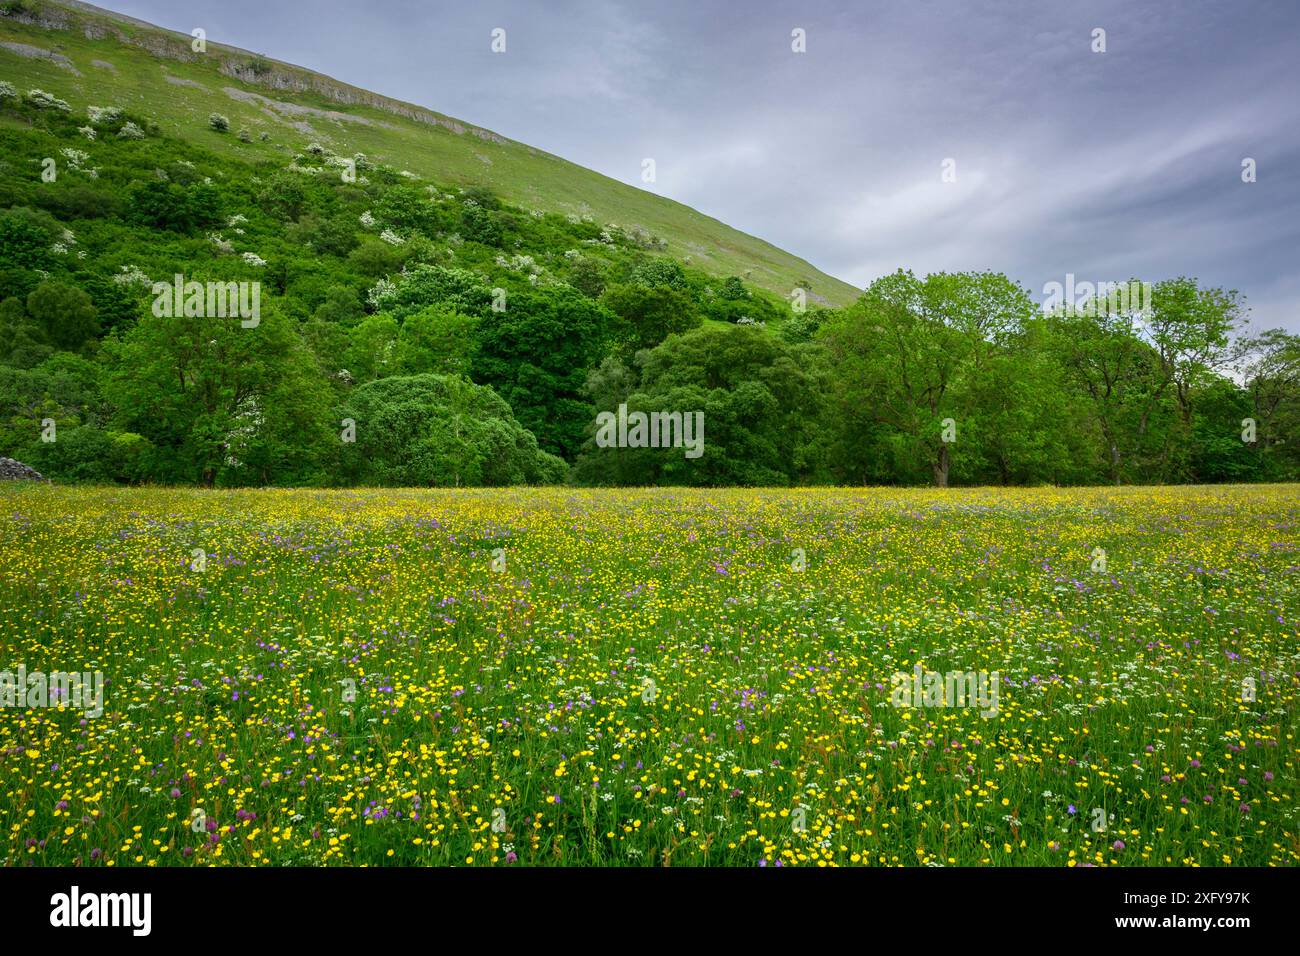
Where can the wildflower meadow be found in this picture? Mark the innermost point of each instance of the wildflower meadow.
(752, 678)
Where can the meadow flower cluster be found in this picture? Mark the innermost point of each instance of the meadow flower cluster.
(578, 677)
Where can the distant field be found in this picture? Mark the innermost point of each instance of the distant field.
(669, 677)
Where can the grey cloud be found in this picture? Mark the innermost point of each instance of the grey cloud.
(1104, 165)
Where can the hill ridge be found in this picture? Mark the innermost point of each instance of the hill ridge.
(283, 93)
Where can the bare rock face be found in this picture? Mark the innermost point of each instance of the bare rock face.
(11, 470)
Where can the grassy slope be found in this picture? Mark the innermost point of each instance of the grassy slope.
(152, 72)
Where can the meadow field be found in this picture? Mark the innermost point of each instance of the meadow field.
(651, 677)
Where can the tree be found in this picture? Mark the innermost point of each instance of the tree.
(284, 196)
(437, 339)
(479, 225)
(536, 354)
(23, 342)
(758, 402)
(1190, 328)
(1270, 368)
(902, 355)
(67, 314)
(661, 271)
(650, 313)
(372, 349)
(172, 206)
(425, 285)
(733, 290)
(1120, 375)
(220, 401)
(441, 430)
(587, 275)
(26, 237)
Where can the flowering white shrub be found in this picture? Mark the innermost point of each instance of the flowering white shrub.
(316, 149)
(219, 123)
(104, 115)
(238, 219)
(519, 264)
(130, 131)
(253, 259)
(368, 220)
(222, 244)
(381, 291)
(131, 275)
(87, 131)
(392, 238)
(76, 158)
(8, 91)
(47, 101)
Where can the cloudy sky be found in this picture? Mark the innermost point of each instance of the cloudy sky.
(1105, 165)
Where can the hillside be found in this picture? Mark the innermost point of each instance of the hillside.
(89, 56)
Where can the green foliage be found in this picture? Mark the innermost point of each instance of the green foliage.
(169, 205)
(440, 430)
(26, 236)
(479, 225)
(426, 285)
(561, 317)
(66, 314)
(536, 353)
(759, 402)
(283, 196)
(660, 272)
(650, 313)
(222, 403)
(437, 339)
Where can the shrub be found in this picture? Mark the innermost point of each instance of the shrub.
(170, 206)
(105, 115)
(65, 312)
(219, 123)
(46, 101)
(440, 430)
(25, 237)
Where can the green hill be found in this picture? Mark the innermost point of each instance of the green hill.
(90, 56)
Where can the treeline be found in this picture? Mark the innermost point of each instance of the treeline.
(412, 333)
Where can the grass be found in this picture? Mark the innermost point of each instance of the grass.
(153, 73)
(651, 679)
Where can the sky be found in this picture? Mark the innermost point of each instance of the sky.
(1065, 160)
